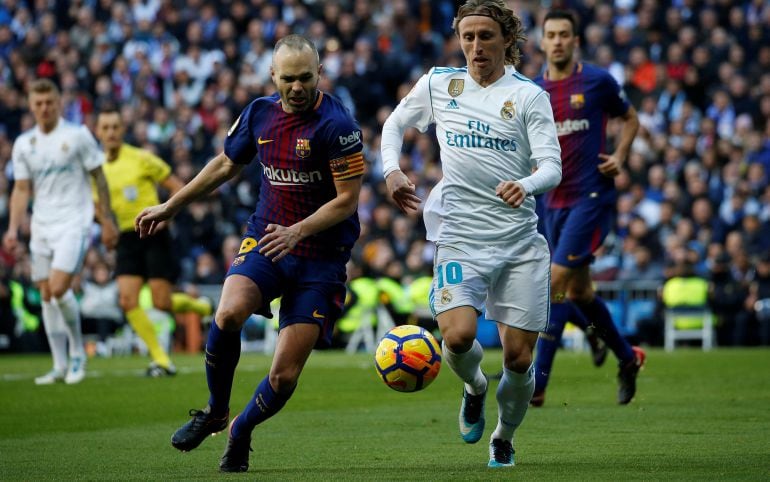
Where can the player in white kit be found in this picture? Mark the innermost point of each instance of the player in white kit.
(494, 128)
(53, 160)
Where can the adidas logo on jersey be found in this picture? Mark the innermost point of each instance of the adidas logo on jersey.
(452, 105)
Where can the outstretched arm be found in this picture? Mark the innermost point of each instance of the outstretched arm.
(214, 174)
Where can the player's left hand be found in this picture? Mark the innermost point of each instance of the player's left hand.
(278, 241)
(512, 192)
(610, 165)
(110, 234)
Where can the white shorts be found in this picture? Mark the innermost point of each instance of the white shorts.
(63, 249)
(512, 281)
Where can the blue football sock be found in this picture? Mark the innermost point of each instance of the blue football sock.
(265, 403)
(596, 311)
(223, 350)
(576, 317)
(548, 342)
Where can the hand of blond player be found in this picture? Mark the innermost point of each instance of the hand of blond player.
(511, 192)
(110, 235)
(10, 240)
(402, 191)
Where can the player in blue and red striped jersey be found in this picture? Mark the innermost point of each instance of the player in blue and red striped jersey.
(578, 214)
(296, 244)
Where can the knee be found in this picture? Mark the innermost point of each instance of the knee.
(284, 381)
(229, 318)
(162, 303)
(458, 341)
(582, 295)
(127, 303)
(518, 362)
(57, 291)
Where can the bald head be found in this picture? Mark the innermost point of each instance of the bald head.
(295, 71)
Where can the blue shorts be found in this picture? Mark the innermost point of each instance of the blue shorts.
(574, 233)
(311, 290)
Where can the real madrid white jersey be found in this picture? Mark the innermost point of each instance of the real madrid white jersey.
(57, 164)
(487, 135)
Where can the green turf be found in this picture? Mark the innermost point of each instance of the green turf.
(696, 416)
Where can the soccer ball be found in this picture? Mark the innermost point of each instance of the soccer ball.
(408, 358)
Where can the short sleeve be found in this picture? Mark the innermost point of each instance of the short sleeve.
(19, 161)
(615, 103)
(90, 154)
(155, 168)
(239, 143)
(346, 158)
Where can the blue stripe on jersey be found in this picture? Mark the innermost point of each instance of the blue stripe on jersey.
(521, 77)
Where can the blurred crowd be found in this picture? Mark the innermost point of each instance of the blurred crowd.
(695, 190)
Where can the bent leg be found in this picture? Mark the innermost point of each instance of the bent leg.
(295, 343)
(128, 289)
(550, 339)
(60, 284)
(55, 328)
(462, 352)
(517, 383)
(240, 298)
(595, 310)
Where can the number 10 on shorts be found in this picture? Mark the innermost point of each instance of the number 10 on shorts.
(452, 273)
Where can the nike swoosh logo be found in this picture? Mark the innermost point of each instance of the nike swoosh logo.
(318, 315)
(573, 257)
(261, 141)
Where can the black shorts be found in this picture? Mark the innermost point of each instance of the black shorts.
(151, 257)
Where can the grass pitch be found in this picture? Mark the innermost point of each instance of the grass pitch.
(696, 416)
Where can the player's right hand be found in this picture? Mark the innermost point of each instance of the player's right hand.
(10, 240)
(402, 191)
(151, 220)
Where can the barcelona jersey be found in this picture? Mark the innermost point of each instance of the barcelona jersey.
(581, 104)
(300, 156)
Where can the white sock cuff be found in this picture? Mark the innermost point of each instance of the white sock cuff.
(52, 317)
(476, 348)
(520, 379)
(67, 297)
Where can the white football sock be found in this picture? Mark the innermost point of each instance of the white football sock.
(468, 367)
(70, 310)
(56, 333)
(513, 395)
